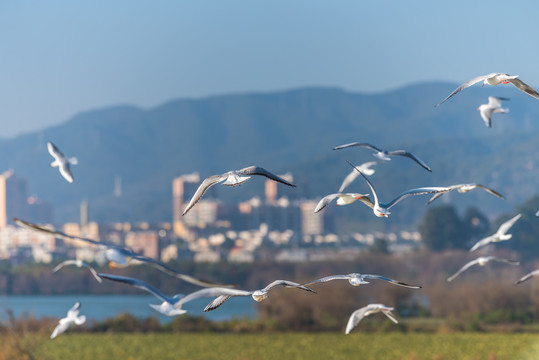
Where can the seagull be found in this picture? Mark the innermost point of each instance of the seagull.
(257, 295)
(482, 261)
(364, 168)
(495, 79)
(384, 154)
(528, 276)
(359, 314)
(356, 279)
(71, 318)
(500, 235)
(78, 263)
(232, 178)
(119, 256)
(494, 106)
(462, 188)
(61, 162)
(342, 199)
(537, 214)
(382, 210)
(172, 306)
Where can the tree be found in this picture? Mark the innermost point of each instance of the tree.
(441, 228)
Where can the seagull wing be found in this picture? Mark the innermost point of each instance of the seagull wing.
(212, 292)
(364, 168)
(390, 315)
(506, 261)
(376, 202)
(439, 194)
(65, 171)
(205, 185)
(365, 145)
(286, 283)
(328, 278)
(64, 263)
(355, 318)
(482, 243)
(468, 83)
(411, 156)
(256, 170)
(220, 300)
(507, 225)
(60, 328)
(465, 267)
(138, 284)
(491, 191)
(54, 151)
(418, 191)
(391, 281)
(524, 87)
(528, 276)
(324, 202)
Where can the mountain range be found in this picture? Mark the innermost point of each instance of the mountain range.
(293, 130)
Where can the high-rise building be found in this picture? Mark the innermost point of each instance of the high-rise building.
(311, 223)
(13, 198)
(182, 186)
(274, 190)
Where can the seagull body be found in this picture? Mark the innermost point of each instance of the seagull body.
(482, 261)
(495, 79)
(385, 154)
(494, 106)
(528, 276)
(78, 263)
(121, 257)
(462, 188)
(61, 162)
(232, 178)
(71, 318)
(172, 306)
(356, 279)
(382, 210)
(257, 295)
(342, 199)
(500, 235)
(359, 314)
(364, 168)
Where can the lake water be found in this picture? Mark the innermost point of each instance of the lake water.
(101, 307)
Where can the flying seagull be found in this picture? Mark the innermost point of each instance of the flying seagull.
(528, 276)
(462, 188)
(494, 106)
(172, 306)
(495, 79)
(481, 261)
(342, 199)
(356, 279)
(257, 295)
(382, 210)
(500, 235)
(364, 168)
(71, 318)
(78, 263)
(385, 154)
(61, 162)
(359, 314)
(121, 257)
(232, 178)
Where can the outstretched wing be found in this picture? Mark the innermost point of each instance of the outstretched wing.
(481, 243)
(468, 83)
(418, 191)
(491, 191)
(507, 225)
(464, 268)
(365, 145)
(364, 168)
(286, 283)
(390, 280)
(205, 185)
(390, 315)
(411, 156)
(328, 278)
(324, 202)
(139, 284)
(527, 276)
(54, 151)
(355, 318)
(506, 261)
(524, 87)
(256, 170)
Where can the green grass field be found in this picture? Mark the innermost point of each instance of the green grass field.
(410, 346)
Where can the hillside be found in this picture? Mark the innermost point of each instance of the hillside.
(290, 130)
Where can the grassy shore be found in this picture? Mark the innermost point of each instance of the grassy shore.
(312, 346)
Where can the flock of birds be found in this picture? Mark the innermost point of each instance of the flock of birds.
(119, 256)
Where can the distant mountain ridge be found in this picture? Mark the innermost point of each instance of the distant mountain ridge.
(292, 130)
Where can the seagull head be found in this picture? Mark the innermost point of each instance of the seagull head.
(259, 295)
(382, 212)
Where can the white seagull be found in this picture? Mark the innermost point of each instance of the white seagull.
(78, 263)
(382, 210)
(385, 154)
(342, 199)
(494, 106)
(482, 261)
(462, 188)
(359, 314)
(364, 168)
(71, 318)
(232, 178)
(61, 162)
(528, 276)
(257, 295)
(172, 306)
(356, 279)
(121, 257)
(495, 79)
(500, 235)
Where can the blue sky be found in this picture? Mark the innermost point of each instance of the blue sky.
(58, 58)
